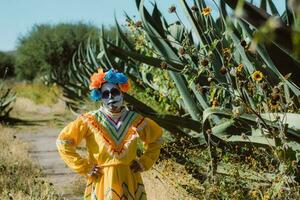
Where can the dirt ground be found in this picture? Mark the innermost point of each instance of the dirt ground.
(40, 128)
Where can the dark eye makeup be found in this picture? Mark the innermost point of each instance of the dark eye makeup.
(114, 92)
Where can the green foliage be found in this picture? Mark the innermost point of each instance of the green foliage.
(49, 48)
(7, 62)
(150, 100)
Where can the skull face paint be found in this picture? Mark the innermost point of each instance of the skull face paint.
(114, 101)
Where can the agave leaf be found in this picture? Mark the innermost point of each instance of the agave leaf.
(108, 57)
(7, 97)
(258, 17)
(87, 56)
(199, 27)
(189, 103)
(249, 119)
(273, 8)
(290, 15)
(155, 62)
(200, 97)
(176, 31)
(223, 9)
(91, 54)
(167, 119)
(158, 38)
(156, 16)
(263, 5)
(292, 119)
(123, 37)
(195, 25)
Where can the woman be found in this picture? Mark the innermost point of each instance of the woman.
(112, 168)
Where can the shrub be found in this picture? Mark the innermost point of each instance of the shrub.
(49, 48)
(7, 62)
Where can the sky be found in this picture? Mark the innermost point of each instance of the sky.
(18, 16)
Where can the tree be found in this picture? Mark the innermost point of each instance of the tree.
(7, 62)
(50, 47)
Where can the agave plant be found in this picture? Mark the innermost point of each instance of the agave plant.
(222, 45)
(7, 97)
(234, 84)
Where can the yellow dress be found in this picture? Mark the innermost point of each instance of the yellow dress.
(112, 148)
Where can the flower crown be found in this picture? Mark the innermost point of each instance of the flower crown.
(111, 76)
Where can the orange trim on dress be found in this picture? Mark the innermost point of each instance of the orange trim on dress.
(112, 148)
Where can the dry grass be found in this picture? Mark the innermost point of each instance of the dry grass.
(20, 178)
(78, 186)
(38, 92)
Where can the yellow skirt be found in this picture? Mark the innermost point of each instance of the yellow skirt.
(117, 182)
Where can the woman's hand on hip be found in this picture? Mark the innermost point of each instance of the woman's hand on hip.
(135, 166)
(96, 171)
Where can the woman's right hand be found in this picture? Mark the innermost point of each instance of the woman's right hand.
(96, 171)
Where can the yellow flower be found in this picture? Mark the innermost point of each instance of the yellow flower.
(206, 11)
(215, 103)
(239, 68)
(257, 76)
(266, 197)
(226, 52)
(274, 104)
(253, 193)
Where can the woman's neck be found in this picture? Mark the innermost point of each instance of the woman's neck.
(113, 114)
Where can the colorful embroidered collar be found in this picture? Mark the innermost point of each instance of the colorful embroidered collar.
(116, 136)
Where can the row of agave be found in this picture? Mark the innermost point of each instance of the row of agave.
(234, 75)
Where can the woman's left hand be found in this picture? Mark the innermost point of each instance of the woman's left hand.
(135, 166)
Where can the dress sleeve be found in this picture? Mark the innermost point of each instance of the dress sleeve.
(151, 135)
(66, 143)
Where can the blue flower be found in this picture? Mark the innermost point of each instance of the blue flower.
(95, 95)
(122, 78)
(115, 77)
(111, 77)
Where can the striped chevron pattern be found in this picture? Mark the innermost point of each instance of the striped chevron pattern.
(116, 135)
(117, 131)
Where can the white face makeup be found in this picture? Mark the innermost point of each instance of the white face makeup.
(113, 102)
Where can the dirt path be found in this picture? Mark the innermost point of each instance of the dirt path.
(43, 151)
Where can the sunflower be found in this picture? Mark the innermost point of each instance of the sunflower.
(194, 8)
(172, 9)
(226, 52)
(266, 197)
(239, 68)
(163, 65)
(204, 62)
(215, 103)
(206, 11)
(257, 76)
(274, 105)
